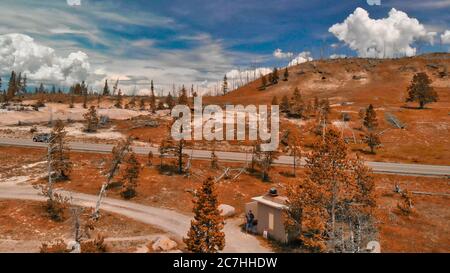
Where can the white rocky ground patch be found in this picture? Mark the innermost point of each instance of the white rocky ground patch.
(54, 111)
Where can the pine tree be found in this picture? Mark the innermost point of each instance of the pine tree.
(337, 191)
(263, 82)
(106, 89)
(327, 166)
(306, 216)
(179, 153)
(372, 140)
(152, 98)
(12, 86)
(170, 102)
(183, 98)
(275, 76)
(59, 152)
(298, 105)
(91, 119)
(130, 178)
(421, 90)
(41, 89)
(370, 119)
(286, 74)
(264, 160)
(24, 84)
(225, 85)
(284, 106)
(364, 179)
(118, 103)
(205, 234)
(19, 83)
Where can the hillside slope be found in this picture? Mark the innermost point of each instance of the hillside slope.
(353, 84)
(354, 79)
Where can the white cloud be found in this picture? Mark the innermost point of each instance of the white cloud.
(338, 56)
(21, 53)
(249, 73)
(445, 37)
(303, 57)
(279, 54)
(74, 2)
(388, 37)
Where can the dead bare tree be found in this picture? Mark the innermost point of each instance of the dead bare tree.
(118, 154)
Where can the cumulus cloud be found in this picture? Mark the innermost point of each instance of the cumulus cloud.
(303, 57)
(279, 54)
(445, 37)
(249, 73)
(21, 53)
(388, 37)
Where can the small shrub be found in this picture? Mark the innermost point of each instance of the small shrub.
(96, 245)
(59, 246)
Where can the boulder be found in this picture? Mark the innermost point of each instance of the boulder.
(164, 243)
(227, 210)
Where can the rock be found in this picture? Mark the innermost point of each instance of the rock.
(163, 243)
(74, 247)
(227, 210)
(373, 247)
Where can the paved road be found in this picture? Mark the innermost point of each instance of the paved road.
(378, 167)
(164, 219)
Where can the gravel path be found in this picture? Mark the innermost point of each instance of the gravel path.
(165, 219)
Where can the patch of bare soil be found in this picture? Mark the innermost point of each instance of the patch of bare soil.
(26, 224)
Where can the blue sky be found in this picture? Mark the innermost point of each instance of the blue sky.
(196, 41)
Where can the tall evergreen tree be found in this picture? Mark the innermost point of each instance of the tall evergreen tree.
(297, 108)
(59, 152)
(205, 234)
(370, 119)
(12, 86)
(183, 98)
(91, 119)
(41, 89)
(118, 103)
(421, 90)
(286, 74)
(24, 84)
(284, 106)
(275, 76)
(372, 140)
(152, 98)
(106, 89)
(170, 102)
(19, 83)
(225, 85)
(263, 82)
(328, 167)
(130, 177)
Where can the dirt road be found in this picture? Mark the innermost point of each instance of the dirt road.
(165, 219)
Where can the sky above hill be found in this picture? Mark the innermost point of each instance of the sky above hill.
(198, 41)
